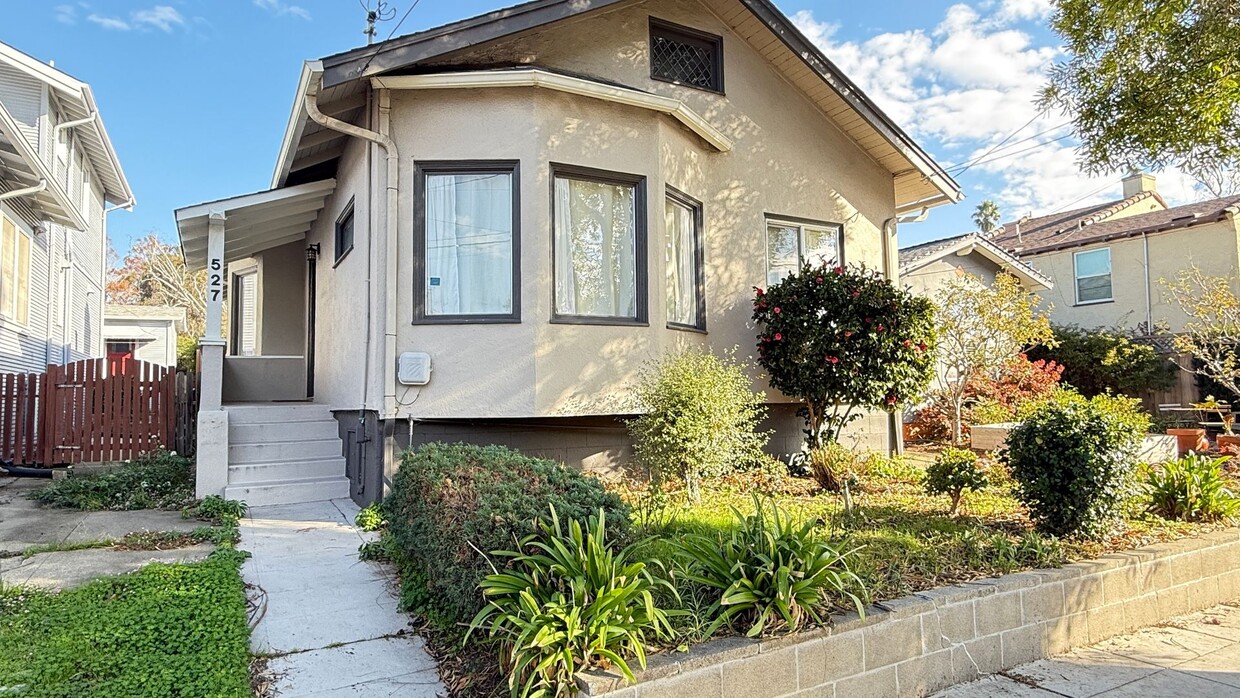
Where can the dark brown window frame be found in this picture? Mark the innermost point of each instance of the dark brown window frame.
(422, 170)
(641, 254)
(689, 35)
(338, 252)
(699, 255)
(775, 218)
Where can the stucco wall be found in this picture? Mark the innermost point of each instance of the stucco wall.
(788, 159)
(1213, 247)
(282, 294)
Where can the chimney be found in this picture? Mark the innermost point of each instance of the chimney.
(1138, 182)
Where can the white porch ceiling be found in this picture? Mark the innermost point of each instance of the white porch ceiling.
(253, 222)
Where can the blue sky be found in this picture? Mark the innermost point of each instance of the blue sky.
(195, 93)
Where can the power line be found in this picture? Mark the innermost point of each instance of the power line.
(976, 160)
(1031, 148)
(1099, 190)
(390, 34)
(1002, 142)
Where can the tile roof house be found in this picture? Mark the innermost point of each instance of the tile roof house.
(483, 231)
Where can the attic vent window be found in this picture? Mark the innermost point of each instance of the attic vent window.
(686, 56)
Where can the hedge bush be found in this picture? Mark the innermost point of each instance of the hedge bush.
(953, 472)
(156, 480)
(1107, 360)
(1074, 460)
(451, 503)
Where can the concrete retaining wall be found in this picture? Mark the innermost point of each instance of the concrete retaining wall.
(929, 641)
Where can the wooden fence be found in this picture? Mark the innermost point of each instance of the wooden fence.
(89, 411)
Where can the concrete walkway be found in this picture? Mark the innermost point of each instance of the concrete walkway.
(1195, 656)
(331, 623)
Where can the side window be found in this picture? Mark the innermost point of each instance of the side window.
(245, 314)
(685, 56)
(686, 303)
(1093, 275)
(790, 244)
(344, 232)
(14, 272)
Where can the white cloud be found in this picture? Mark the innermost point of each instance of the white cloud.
(115, 23)
(1024, 10)
(161, 17)
(65, 14)
(280, 8)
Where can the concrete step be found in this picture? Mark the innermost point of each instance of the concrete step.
(258, 494)
(284, 451)
(267, 432)
(286, 471)
(277, 413)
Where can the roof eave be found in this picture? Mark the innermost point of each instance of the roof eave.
(125, 195)
(10, 130)
(311, 74)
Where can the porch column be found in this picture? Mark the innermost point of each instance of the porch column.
(212, 457)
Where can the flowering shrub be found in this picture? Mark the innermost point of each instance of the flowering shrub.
(843, 340)
(1020, 386)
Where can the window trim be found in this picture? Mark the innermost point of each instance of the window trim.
(19, 311)
(1076, 277)
(800, 224)
(699, 256)
(341, 254)
(234, 311)
(690, 35)
(426, 168)
(641, 253)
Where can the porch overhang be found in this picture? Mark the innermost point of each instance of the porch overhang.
(22, 168)
(253, 222)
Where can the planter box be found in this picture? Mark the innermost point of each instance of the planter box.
(924, 643)
(1190, 440)
(1155, 448)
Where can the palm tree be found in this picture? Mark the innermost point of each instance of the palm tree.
(986, 218)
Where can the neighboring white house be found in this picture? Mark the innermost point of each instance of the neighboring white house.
(58, 176)
(143, 332)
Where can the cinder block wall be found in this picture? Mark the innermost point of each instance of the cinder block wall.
(929, 641)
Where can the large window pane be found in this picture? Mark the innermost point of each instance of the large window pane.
(821, 246)
(681, 263)
(782, 252)
(595, 248)
(1093, 275)
(22, 296)
(1094, 288)
(1093, 263)
(8, 267)
(469, 244)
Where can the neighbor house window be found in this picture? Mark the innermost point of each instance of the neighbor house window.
(344, 232)
(686, 304)
(14, 272)
(599, 242)
(1093, 275)
(686, 56)
(466, 245)
(791, 244)
(244, 319)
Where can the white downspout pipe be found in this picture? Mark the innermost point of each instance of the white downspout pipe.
(128, 206)
(42, 185)
(891, 266)
(1149, 308)
(388, 145)
(62, 127)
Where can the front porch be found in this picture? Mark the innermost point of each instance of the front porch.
(261, 438)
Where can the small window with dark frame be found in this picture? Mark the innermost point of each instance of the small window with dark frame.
(344, 232)
(791, 243)
(686, 56)
(686, 302)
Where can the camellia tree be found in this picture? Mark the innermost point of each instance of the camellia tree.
(843, 341)
(982, 329)
(1211, 334)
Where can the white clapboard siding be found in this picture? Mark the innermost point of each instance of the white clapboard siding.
(22, 96)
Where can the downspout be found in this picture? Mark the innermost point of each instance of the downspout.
(388, 145)
(62, 127)
(42, 185)
(891, 264)
(1149, 308)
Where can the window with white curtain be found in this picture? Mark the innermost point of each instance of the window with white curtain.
(686, 306)
(599, 246)
(468, 242)
(790, 245)
(14, 272)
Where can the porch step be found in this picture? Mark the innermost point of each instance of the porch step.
(268, 432)
(285, 471)
(283, 450)
(259, 494)
(278, 412)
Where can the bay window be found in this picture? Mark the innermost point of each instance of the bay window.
(466, 260)
(599, 246)
(686, 304)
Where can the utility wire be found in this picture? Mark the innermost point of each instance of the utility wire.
(1008, 154)
(1099, 190)
(1009, 146)
(996, 146)
(389, 36)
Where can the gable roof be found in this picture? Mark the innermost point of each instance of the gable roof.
(1094, 224)
(918, 256)
(919, 181)
(77, 101)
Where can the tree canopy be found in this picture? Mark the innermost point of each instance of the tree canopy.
(1149, 83)
(154, 273)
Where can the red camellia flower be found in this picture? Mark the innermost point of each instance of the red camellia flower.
(907, 343)
(777, 308)
(758, 290)
(856, 293)
(891, 399)
(778, 336)
(880, 328)
(922, 346)
(820, 279)
(839, 270)
(848, 333)
(833, 359)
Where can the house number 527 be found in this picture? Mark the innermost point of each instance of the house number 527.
(215, 279)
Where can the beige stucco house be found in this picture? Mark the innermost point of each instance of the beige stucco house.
(482, 231)
(143, 332)
(1107, 260)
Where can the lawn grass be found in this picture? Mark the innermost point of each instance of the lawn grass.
(166, 631)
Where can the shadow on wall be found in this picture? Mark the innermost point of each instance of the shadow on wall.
(25, 354)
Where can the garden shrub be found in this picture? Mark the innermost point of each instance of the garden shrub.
(954, 471)
(842, 341)
(370, 518)
(157, 480)
(1107, 361)
(1074, 461)
(1192, 488)
(832, 465)
(768, 572)
(566, 602)
(701, 419)
(451, 504)
(1021, 384)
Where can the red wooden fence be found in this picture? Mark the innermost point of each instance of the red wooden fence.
(89, 411)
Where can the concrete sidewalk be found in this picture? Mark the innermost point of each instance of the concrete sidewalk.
(1195, 656)
(331, 623)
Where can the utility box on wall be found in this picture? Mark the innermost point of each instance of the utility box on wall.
(413, 368)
